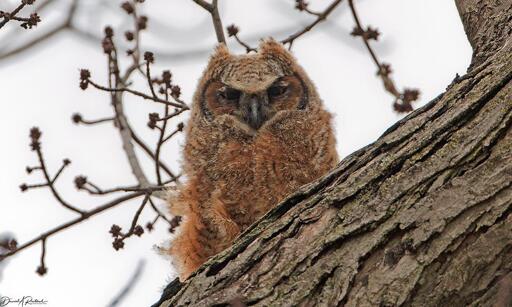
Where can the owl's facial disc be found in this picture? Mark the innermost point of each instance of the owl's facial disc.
(254, 107)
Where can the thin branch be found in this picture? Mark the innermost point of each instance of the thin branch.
(364, 37)
(213, 9)
(117, 85)
(27, 22)
(83, 217)
(173, 223)
(67, 24)
(42, 269)
(302, 6)
(35, 135)
(312, 12)
(25, 186)
(150, 189)
(82, 183)
(233, 31)
(64, 164)
(320, 17)
(136, 218)
(122, 122)
(158, 212)
(148, 74)
(161, 140)
(129, 285)
(78, 119)
(174, 114)
(135, 51)
(135, 229)
(172, 134)
(217, 23)
(151, 225)
(137, 93)
(205, 5)
(127, 144)
(148, 151)
(403, 99)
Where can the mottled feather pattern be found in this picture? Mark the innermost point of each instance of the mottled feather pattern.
(235, 173)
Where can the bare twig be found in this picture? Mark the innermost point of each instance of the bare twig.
(86, 215)
(139, 24)
(117, 104)
(35, 135)
(160, 141)
(217, 22)
(320, 17)
(137, 93)
(205, 5)
(129, 285)
(148, 151)
(148, 56)
(135, 229)
(66, 24)
(213, 9)
(27, 22)
(403, 99)
(302, 6)
(127, 144)
(233, 32)
(158, 212)
(78, 119)
(7, 243)
(178, 129)
(117, 86)
(42, 269)
(82, 183)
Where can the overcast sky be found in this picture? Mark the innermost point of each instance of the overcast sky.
(422, 39)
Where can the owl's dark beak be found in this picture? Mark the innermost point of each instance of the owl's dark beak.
(253, 110)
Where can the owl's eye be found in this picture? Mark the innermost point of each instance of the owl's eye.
(229, 93)
(277, 90)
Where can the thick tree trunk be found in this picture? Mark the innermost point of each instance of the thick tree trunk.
(421, 217)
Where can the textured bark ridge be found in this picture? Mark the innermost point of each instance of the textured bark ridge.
(421, 217)
(487, 24)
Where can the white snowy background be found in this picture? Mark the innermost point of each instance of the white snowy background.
(422, 39)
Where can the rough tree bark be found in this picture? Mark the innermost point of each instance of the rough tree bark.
(421, 217)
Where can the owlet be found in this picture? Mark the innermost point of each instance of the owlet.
(257, 132)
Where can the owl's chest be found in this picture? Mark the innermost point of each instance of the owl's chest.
(264, 169)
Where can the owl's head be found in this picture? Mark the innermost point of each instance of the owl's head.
(251, 90)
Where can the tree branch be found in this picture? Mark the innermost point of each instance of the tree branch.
(119, 298)
(403, 100)
(27, 22)
(213, 9)
(66, 24)
(86, 215)
(421, 217)
(320, 17)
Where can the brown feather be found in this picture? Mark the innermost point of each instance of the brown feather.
(235, 174)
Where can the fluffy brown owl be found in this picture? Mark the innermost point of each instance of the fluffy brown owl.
(257, 132)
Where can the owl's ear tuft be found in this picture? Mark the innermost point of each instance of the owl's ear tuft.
(218, 59)
(221, 53)
(274, 49)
